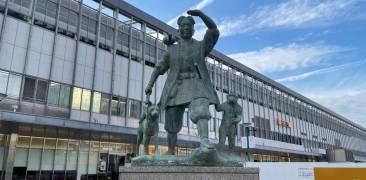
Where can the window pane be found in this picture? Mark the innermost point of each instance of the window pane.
(37, 142)
(96, 102)
(115, 106)
(76, 98)
(51, 9)
(134, 109)
(34, 163)
(104, 106)
(41, 6)
(41, 91)
(3, 81)
(82, 166)
(123, 105)
(50, 143)
(85, 104)
(14, 86)
(29, 87)
(84, 145)
(94, 146)
(23, 142)
(72, 155)
(54, 94)
(73, 145)
(47, 162)
(64, 96)
(60, 162)
(62, 144)
(93, 162)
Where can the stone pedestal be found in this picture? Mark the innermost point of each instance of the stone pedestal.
(188, 173)
(199, 157)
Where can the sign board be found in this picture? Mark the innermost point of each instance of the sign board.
(251, 142)
(283, 123)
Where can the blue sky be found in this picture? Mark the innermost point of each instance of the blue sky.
(315, 47)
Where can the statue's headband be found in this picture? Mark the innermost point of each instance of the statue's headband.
(189, 18)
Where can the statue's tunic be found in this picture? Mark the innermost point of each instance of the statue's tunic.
(188, 78)
(232, 113)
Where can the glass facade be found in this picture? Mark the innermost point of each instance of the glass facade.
(10, 84)
(57, 158)
(64, 157)
(58, 95)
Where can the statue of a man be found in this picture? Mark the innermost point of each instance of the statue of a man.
(188, 83)
(232, 115)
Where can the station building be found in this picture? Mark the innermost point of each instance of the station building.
(72, 78)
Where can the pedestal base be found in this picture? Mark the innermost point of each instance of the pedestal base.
(188, 173)
(199, 157)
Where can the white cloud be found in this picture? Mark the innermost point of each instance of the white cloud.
(318, 72)
(348, 103)
(293, 56)
(202, 4)
(291, 14)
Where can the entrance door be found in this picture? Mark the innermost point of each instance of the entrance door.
(115, 161)
(109, 165)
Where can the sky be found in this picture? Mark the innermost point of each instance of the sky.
(315, 47)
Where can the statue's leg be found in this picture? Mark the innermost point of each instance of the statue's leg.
(231, 138)
(173, 124)
(200, 114)
(222, 136)
(146, 143)
(138, 143)
(156, 143)
(156, 139)
(139, 140)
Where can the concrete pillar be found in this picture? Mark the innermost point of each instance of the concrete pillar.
(10, 155)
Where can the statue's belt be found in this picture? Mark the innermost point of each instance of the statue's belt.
(187, 75)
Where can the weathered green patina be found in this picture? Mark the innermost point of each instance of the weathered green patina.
(232, 116)
(148, 127)
(188, 83)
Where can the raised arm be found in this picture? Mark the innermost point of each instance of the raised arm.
(159, 69)
(207, 20)
(212, 33)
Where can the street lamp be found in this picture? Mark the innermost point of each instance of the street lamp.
(249, 127)
(2, 96)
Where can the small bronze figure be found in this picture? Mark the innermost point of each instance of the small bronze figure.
(148, 127)
(231, 117)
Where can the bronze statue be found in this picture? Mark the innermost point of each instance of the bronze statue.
(231, 117)
(188, 84)
(148, 127)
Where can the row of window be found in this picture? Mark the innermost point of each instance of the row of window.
(45, 16)
(58, 95)
(268, 97)
(57, 158)
(262, 129)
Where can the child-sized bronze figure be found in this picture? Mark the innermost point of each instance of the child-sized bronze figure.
(148, 127)
(232, 116)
